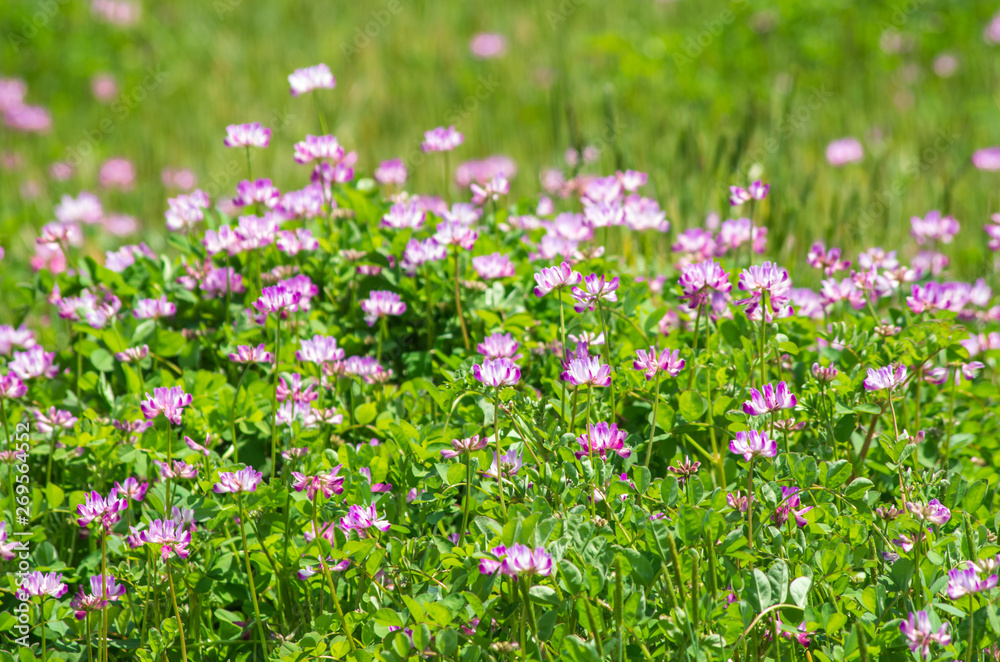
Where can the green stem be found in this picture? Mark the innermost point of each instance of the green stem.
(951, 425)
(274, 401)
(232, 413)
(716, 456)
(177, 612)
(750, 503)
(607, 354)
(104, 595)
(10, 466)
(496, 429)
(250, 580)
(228, 297)
(41, 617)
(468, 494)
(652, 427)
(430, 309)
(972, 627)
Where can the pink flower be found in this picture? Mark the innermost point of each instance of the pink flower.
(966, 582)
(277, 299)
(52, 419)
(154, 309)
(497, 372)
(649, 363)
(401, 216)
(103, 591)
(11, 386)
(391, 171)
(491, 190)
(493, 266)
(456, 233)
(595, 289)
(96, 507)
(329, 483)
(701, 282)
(770, 400)
(244, 480)
(319, 349)
(306, 80)
(753, 444)
(587, 371)
(380, 304)
(319, 148)
(738, 501)
(766, 279)
(824, 374)
(601, 438)
(247, 135)
(37, 584)
(35, 362)
(844, 151)
(934, 227)
(487, 45)
(251, 354)
(987, 158)
(295, 241)
(499, 346)
(117, 173)
(132, 489)
(920, 635)
(170, 535)
(885, 378)
(463, 446)
(522, 560)
(360, 519)
(442, 139)
(169, 402)
(828, 261)
(934, 511)
(260, 191)
(554, 278)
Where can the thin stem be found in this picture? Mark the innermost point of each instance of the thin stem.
(232, 413)
(177, 612)
(274, 401)
(716, 456)
(468, 493)
(534, 623)
(319, 114)
(10, 471)
(430, 309)
(104, 595)
(228, 295)
(458, 305)
(496, 429)
(249, 170)
(763, 336)
(652, 427)
(562, 333)
(572, 420)
(750, 503)
(250, 580)
(45, 647)
(951, 422)
(972, 627)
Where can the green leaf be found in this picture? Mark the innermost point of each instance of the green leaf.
(758, 591)
(365, 413)
(778, 576)
(974, 496)
(799, 590)
(55, 495)
(833, 474)
(387, 618)
(691, 405)
(544, 594)
(446, 642)
(857, 487)
(102, 360)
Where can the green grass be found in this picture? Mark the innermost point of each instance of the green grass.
(696, 119)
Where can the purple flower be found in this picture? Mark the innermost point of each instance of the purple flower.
(919, 634)
(441, 139)
(766, 279)
(96, 507)
(361, 519)
(401, 216)
(381, 303)
(493, 266)
(133, 354)
(499, 346)
(967, 582)
(260, 191)
(684, 470)
(277, 299)
(103, 590)
(602, 438)
(329, 483)
(737, 501)
(934, 511)
(885, 378)
(758, 190)
(790, 505)
(11, 387)
(702, 281)
(454, 233)
(320, 349)
(375, 487)
(844, 151)
(491, 190)
(587, 371)
(292, 242)
(738, 195)
(392, 171)
(987, 158)
(510, 463)
(183, 212)
(247, 135)
(419, 252)
(522, 560)
(553, 278)
(35, 362)
(828, 261)
(824, 373)
(244, 480)
(770, 400)
(251, 354)
(463, 446)
(595, 289)
(753, 444)
(497, 372)
(650, 364)
(170, 535)
(167, 401)
(38, 584)
(132, 489)
(177, 470)
(154, 308)
(933, 227)
(316, 77)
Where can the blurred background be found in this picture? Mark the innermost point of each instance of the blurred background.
(699, 94)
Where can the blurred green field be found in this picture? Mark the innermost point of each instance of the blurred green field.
(698, 94)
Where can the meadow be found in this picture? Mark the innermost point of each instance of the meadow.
(655, 331)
